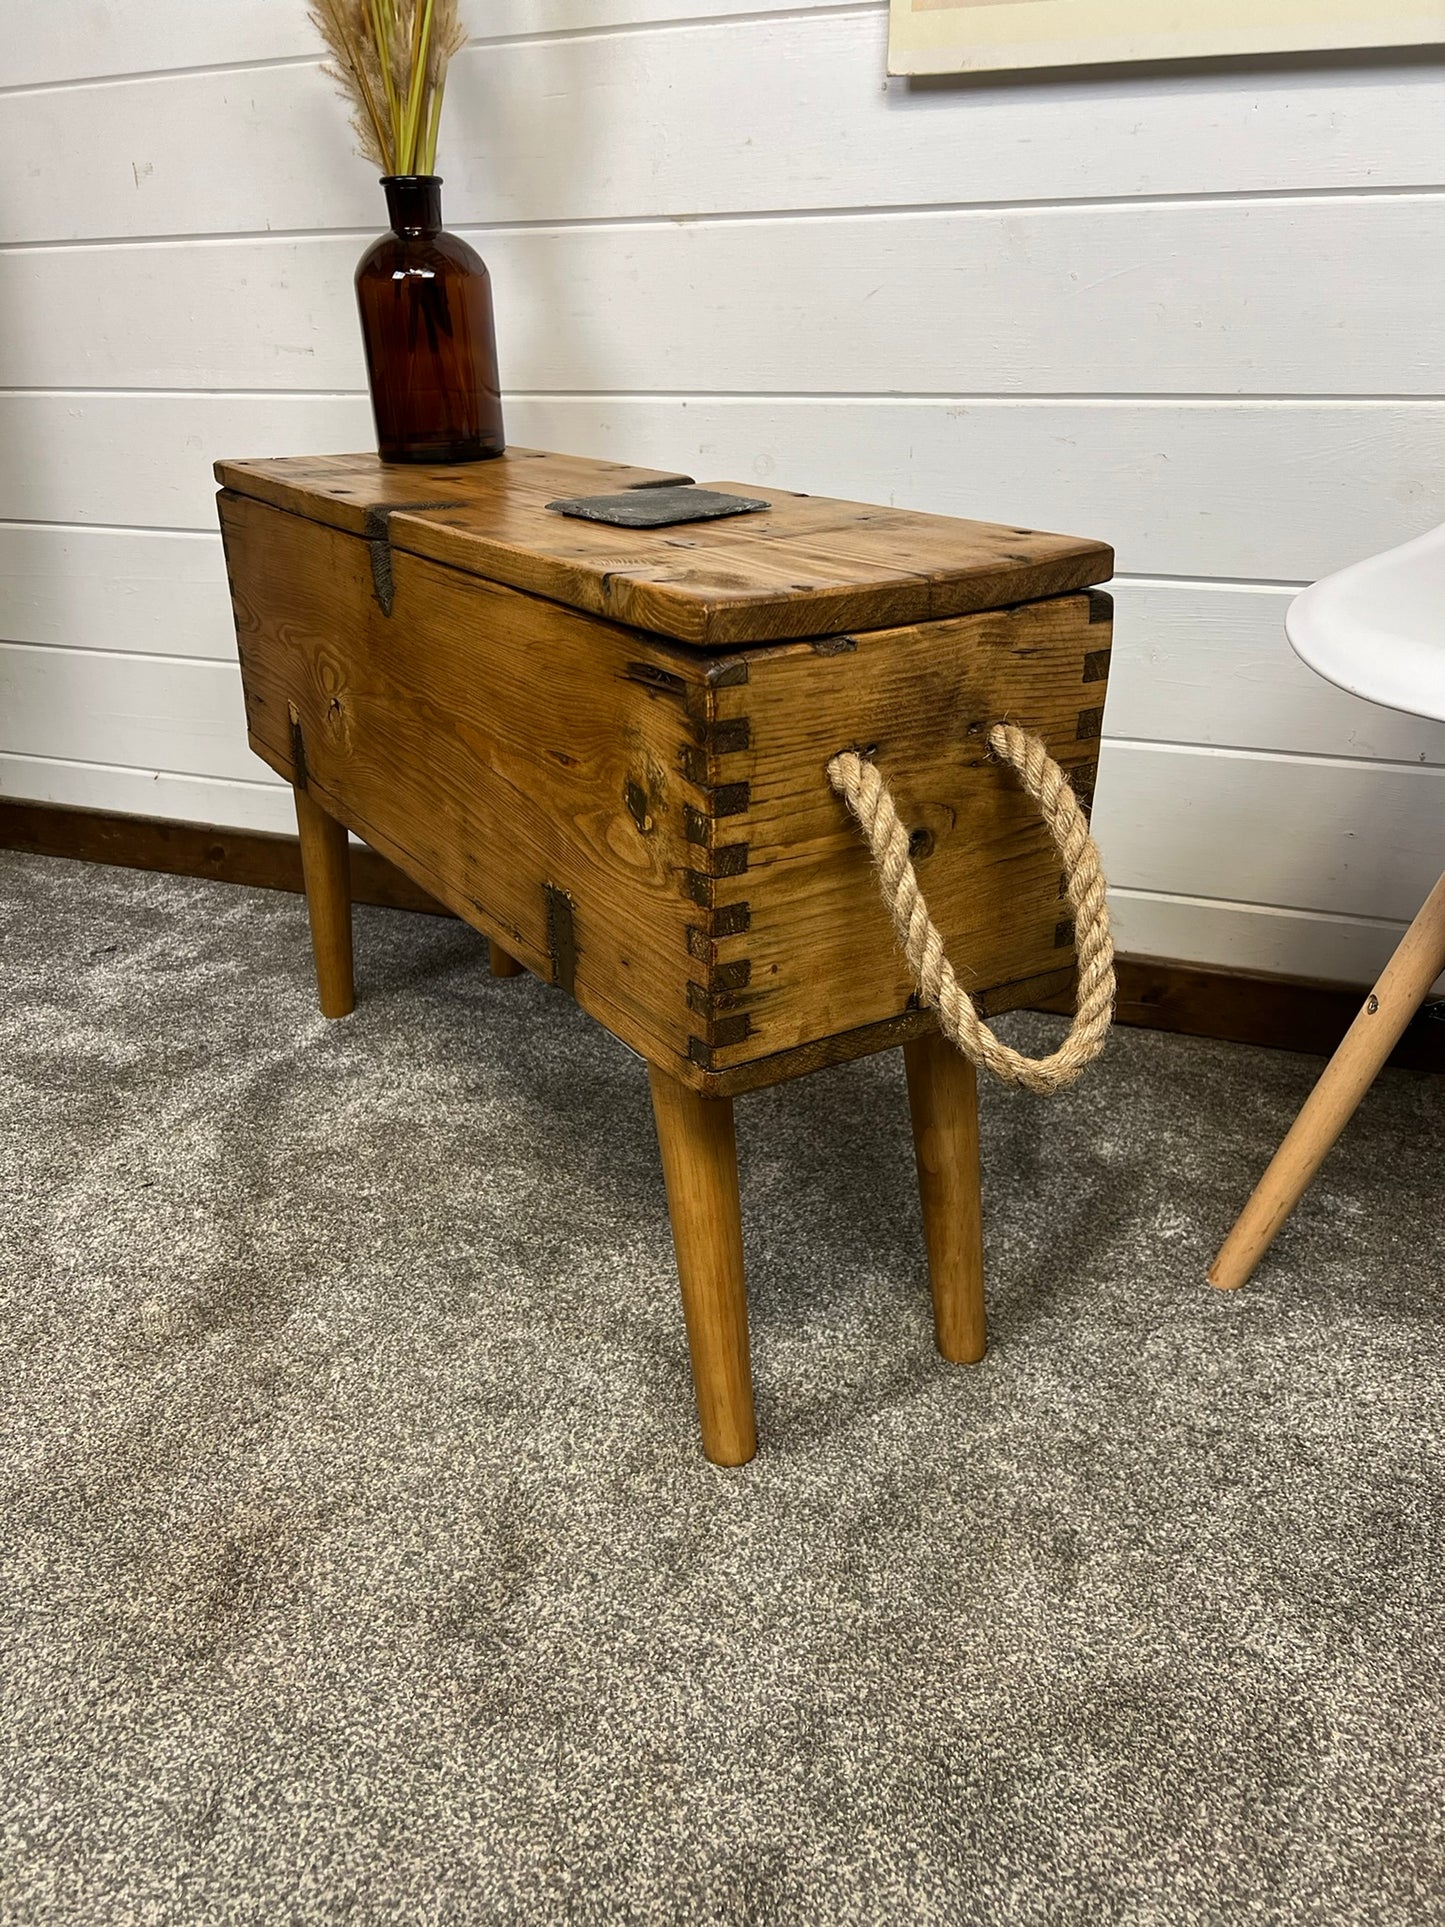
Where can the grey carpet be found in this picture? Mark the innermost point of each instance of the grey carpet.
(359, 1562)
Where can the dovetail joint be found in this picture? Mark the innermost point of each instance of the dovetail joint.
(727, 738)
(725, 1031)
(1096, 665)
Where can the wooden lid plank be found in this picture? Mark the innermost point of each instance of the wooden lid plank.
(346, 491)
(807, 566)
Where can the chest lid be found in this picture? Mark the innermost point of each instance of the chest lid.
(807, 566)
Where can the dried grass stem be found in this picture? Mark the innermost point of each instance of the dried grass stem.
(390, 59)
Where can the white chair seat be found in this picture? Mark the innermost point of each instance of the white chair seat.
(1378, 627)
(1378, 630)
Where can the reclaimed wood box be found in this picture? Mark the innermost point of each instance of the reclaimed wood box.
(606, 748)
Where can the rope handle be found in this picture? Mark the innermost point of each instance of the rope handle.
(866, 793)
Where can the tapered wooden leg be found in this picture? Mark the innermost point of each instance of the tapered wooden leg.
(1333, 1102)
(943, 1104)
(700, 1164)
(326, 866)
(502, 964)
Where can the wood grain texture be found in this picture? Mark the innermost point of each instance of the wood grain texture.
(793, 940)
(649, 827)
(250, 857)
(1279, 1012)
(700, 1164)
(943, 1110)
(844, 1047)
(362, 495)
(807, 565)
(1204, 659)
(1352, 854)
(493, 744)
(326, 871)
(1362, 1054)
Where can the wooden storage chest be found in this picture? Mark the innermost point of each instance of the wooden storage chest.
(606, 747)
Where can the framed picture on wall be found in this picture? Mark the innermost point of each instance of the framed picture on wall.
(981, 36)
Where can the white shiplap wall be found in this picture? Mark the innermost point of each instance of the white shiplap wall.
(1195, 311)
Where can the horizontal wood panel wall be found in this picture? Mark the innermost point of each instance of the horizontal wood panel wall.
(1192, 310)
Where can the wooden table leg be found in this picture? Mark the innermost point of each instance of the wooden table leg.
(326, 866)
(699, 1162)
(1335, 1099)
(502, 964)
(943, 1103)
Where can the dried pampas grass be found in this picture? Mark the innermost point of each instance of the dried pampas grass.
(390, 58)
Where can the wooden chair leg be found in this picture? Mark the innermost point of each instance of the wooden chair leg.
(943, 1104)
(502, 964)
(1333, 1102)
(326, 867)
(699, 1162)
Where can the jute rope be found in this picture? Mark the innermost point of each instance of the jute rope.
(867, 795)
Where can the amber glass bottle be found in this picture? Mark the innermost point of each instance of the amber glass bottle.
(426, 319)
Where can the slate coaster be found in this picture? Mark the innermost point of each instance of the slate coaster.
(658, 508)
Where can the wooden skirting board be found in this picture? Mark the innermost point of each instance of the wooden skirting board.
(1283, 1012)
(193, 850)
